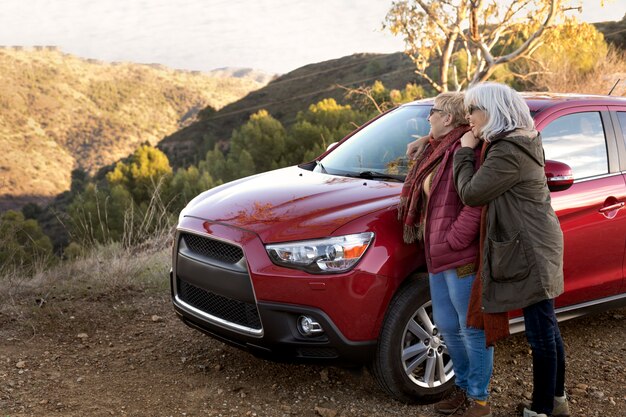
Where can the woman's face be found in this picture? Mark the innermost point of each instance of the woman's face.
(439, 121)
(477, 118)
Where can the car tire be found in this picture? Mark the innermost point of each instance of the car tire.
(412, 363)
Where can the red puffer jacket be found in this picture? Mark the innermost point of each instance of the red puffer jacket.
(451, 232)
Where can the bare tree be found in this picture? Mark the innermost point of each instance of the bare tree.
(482, 30)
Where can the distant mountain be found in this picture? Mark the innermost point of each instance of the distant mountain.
(59, 112)
(614, 32)
(235, 72)
(292, 92)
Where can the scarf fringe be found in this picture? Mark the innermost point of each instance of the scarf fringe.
(411, 233)
(402, 207)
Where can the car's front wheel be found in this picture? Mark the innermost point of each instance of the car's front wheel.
(412, 362)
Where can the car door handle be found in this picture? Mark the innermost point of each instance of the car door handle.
(612, 207)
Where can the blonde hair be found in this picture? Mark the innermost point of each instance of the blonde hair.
(452, 104)
(506, 109)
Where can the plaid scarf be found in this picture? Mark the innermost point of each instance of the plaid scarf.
(495, 325)
(411, 209)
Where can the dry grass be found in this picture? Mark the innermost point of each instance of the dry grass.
(142, 225)
(102, 271)
(600, 80)
(153, 226)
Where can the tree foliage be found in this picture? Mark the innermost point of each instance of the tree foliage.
(263, 143)
(185, 185)
(411, 92)
(263, 138)
(323, 123)
(141, 193)
(376, 99)
(99, 213)
(22, 242)
(577, 45)
(434, 30)
(130, 202)
(141, 173)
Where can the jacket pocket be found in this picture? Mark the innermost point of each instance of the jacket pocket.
(507, 260)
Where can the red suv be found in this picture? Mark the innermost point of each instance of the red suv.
(308, 262)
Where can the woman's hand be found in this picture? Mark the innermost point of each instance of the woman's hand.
(469, 140)
(416, 147)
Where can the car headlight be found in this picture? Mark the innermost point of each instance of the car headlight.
(330, 255)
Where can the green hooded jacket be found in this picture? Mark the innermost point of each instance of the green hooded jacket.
(522, 260)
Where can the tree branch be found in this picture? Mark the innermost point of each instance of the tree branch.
(432, 82)
(470, 61)
(529, 74)
(365, 92)
(532, 38)
(429, 11)
(492, 63)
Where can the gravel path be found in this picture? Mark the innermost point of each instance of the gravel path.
(128, 354)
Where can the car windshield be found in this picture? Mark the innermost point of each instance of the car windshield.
(378, 151)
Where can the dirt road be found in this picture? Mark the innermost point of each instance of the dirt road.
(128, 354)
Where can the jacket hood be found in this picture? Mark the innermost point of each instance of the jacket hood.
(293, 203)
(528, 141)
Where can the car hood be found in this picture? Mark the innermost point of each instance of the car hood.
(292, 203)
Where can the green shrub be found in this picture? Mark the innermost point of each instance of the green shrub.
(73, 251)
(22, 242)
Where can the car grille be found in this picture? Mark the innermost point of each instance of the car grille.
(233, 311)
(213, 249)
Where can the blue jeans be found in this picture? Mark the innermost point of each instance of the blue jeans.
(544, 337)
(471, 360)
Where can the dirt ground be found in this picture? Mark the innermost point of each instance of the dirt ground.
(128, 354)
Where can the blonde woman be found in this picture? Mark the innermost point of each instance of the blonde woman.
(433, 213)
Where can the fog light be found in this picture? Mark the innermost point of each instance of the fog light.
(309, 327)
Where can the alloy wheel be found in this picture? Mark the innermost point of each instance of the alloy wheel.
(424, 355)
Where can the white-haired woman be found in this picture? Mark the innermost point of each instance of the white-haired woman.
(521, 239)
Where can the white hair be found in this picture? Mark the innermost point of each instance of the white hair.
(506, 109)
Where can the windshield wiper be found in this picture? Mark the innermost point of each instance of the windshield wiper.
(375, 175)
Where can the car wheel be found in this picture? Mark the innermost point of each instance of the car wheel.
(412, 362)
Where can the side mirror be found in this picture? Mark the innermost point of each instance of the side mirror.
(559, 175)
(332, 145)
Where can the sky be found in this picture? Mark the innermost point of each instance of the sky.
(275, 36)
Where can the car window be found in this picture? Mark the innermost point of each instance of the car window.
(578, 140)
(621, 115)
(381, 145)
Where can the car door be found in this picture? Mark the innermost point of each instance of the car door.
(590, 212)
(618, 117)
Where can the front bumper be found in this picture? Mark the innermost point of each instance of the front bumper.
(280, 339)
(214, 289)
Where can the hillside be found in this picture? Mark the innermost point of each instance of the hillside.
(614, 32)
(236, 72)
(290, 93)
(59, 112)
(284, 96)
